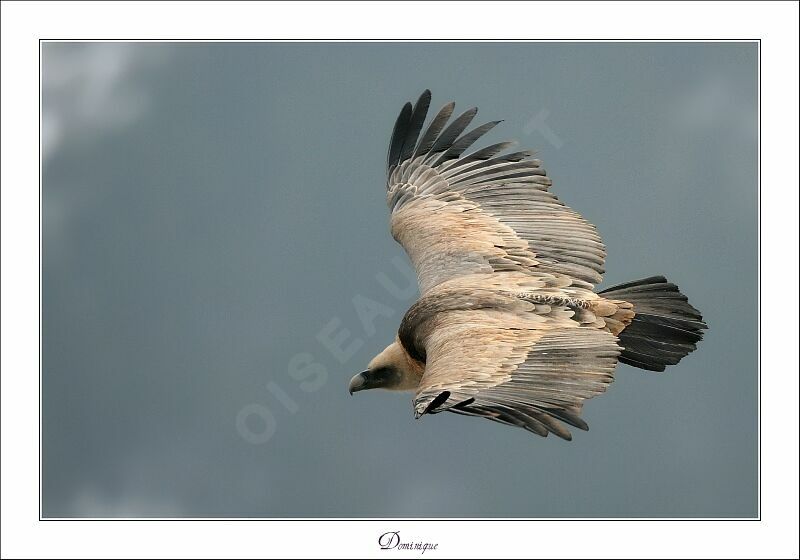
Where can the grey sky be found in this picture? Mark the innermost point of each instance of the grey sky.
(210, 209)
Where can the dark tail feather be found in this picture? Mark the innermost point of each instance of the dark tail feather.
(666, 327)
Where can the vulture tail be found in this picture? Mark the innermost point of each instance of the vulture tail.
(665, 328)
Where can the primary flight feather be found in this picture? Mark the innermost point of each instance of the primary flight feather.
(508, 326)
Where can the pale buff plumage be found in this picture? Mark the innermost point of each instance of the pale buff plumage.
(508, 326)
(395, 356)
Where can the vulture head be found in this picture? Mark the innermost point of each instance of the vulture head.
(392, 369)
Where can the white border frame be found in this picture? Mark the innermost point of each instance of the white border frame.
(23, 24)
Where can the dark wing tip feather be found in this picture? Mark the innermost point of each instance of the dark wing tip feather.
(434, 128)
(451, 133)
(433, 406)
(399, 134)
(420, 111)
(533, 419)
(439, 141)
(460, 145)
(569, 417)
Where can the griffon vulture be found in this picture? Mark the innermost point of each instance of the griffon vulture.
(508, 326)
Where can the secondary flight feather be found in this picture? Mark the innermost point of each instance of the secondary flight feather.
(508, 326)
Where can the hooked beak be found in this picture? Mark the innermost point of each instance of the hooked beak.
(358, 382)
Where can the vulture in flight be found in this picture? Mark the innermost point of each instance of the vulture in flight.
(508, 326)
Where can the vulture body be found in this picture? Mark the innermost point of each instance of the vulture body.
(508, 326)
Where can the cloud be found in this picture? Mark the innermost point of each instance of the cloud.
(89, 89)
(716, 103)
(92, 502)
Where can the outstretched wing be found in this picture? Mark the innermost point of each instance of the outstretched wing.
(532, 371)
(482, 212)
